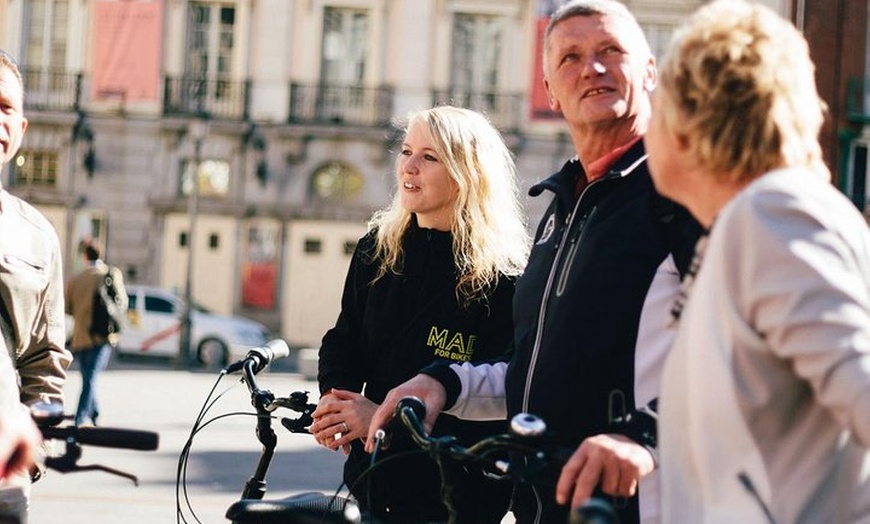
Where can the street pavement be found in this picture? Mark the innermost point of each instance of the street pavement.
(155, 396)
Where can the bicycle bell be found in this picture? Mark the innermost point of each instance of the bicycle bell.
(528, 425)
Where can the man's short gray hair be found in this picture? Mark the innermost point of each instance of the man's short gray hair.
(590, 8)
(10, 63)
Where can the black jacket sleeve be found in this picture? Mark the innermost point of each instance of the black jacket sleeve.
(341, 360)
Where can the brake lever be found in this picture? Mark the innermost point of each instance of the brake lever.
(67, 464)
(297, 401)
(298, 425)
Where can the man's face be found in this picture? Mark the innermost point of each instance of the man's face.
(12, 121)
(598, 70)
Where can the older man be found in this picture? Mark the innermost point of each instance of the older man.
(591, 310)
(31, 282)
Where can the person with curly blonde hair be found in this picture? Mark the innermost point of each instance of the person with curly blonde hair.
(765, 404)
(432, 280)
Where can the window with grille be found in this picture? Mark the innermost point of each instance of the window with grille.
(35, 168)
(345, 46)
(476, 54)
(46, 33)
(211, 40)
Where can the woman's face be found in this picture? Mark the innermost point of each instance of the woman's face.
(424, 184)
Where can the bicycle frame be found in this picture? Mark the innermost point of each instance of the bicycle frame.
(255, 487)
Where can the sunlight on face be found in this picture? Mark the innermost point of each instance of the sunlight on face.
(598, 70)
(12, 119)
(425, 185)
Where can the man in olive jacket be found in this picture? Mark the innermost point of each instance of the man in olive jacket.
(92, 350)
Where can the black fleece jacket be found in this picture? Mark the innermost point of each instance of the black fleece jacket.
(389, 329)
(577, 309)
(578, 306)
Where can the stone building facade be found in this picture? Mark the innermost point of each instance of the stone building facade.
(259, 132)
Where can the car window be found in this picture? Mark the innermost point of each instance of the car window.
(158, 305)
(131, 304)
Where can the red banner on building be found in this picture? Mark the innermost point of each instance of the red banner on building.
(260, 265)
(126, 59)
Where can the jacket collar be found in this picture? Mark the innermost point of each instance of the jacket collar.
(562, 182)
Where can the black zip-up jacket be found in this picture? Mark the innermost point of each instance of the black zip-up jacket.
(386, 332)
(577, 310)
(578, 305)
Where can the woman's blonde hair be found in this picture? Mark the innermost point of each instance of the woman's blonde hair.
(489, 232)
(738, 85)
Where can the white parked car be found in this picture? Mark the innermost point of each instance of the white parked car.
(154, 325)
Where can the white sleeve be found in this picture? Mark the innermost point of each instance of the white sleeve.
(808, 272)
(482, 396)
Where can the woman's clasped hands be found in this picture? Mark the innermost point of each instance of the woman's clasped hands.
(340, 418)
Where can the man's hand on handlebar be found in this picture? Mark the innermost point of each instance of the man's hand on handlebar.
(424, 387)
(19, 442)
(615, 462)
(341, 412)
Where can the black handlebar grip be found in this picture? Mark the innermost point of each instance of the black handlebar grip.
(105, 437)
(409, 405)
(594, 511)
(414, 404)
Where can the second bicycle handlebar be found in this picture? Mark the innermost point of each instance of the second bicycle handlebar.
(104, 437)
(526, 439)
(48, 416)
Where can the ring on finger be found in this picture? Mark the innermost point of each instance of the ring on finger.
(344, 428)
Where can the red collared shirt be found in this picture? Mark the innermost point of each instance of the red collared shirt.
(599, 167)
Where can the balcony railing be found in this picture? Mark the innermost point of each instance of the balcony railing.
(219, 99)
(51, 90)
(503, 110)
(858, 100)
(346, 105)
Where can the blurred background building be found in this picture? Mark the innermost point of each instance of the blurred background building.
(266, 124)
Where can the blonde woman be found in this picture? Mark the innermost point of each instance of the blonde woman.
(432, 280)
(765, 406)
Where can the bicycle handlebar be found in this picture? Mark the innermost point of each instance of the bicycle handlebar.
(48, 416)
(104, 437)
(527, 437)
(265, 402)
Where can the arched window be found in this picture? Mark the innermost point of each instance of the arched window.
(336, 182)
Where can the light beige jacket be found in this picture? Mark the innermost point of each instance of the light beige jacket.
(765, 402)
(31, 291)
